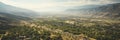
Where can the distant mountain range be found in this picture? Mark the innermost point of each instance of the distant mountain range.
(10, 14)
(6, 19)
(109, 10)
(4, 8)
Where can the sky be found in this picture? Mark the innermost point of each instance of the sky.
(54, 5)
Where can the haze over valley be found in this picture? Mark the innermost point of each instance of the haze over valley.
(59, 20)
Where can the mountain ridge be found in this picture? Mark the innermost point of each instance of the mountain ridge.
(109, 10)
(4, 8)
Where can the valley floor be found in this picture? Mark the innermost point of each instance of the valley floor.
(63, 28)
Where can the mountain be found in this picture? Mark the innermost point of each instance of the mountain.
(9, 18)
(4, 8)
(8, 21)
(108, 10)
(86, 9)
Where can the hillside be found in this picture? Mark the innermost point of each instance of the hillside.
(7, 19)
(108, 10)
(22, 30)
(4, 8)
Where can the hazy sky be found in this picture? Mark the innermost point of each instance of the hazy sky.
(54, 5)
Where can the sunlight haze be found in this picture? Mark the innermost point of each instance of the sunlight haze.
(54, 5)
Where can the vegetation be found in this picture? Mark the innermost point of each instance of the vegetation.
(98, 28)
(62, 29)
(94, 23)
